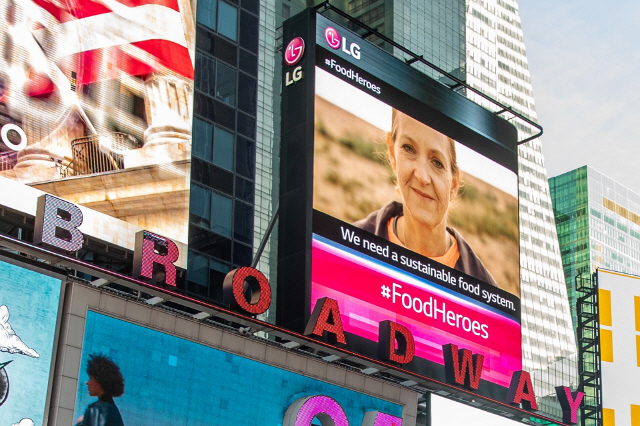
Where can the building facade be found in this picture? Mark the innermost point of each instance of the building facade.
(497, 66)
(598, 224)
(118, 147)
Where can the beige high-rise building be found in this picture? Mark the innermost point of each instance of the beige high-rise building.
(497, 66)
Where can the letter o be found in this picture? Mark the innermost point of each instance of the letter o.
(304, 410)
(463, 326)
(419, 305)
(23, 137)
(406, 306)
(258, 285)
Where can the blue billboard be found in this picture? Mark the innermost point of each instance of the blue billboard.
(29, 304)
(172, 381)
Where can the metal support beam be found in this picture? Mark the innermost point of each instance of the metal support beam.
(326, 6)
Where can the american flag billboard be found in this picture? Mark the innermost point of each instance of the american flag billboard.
(96, 102)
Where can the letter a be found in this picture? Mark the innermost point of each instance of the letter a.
(461, 367)
(319, 322)
(521, 391)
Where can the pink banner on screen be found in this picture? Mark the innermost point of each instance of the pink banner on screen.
(368, 292)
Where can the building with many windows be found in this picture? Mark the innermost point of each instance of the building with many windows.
(598, 222)
(497, 66)
(109, 126)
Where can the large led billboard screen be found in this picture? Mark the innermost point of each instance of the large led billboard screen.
(29, 310)
(169, 381)
(398, 202)
(619, 314)
(96, 104)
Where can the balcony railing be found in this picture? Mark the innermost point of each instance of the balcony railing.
(99, 154)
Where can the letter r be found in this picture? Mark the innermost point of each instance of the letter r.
(152, 250)
(57, 223)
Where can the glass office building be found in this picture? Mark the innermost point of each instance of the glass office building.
(598, 221)
(223, 177)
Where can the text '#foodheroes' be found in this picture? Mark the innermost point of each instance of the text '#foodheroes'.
(431, 308)
(353, 75)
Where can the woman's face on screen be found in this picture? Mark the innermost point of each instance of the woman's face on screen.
(421, 159)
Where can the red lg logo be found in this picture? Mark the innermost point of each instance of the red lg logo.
(294, 51)
(332, 37)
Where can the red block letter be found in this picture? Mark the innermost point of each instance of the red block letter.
(389, 333)
(461, 366)
(521, 391)
(326, 309)
(570, 402)
(152, 250)
(257, 284)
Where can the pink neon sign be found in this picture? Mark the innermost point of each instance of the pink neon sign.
(304, 410)
(330, 413)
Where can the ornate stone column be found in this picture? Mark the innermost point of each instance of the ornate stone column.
(168, 137)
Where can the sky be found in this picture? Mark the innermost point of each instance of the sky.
(584, 59)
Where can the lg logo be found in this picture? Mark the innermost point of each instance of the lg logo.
(294, 51)
(334, 41)
(292, 55)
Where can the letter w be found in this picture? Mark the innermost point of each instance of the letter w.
(461, 366)
(346, 234)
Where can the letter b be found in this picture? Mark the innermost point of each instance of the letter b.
(57, 223)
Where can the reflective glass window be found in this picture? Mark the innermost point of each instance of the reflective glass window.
(245, 157)
(199, 206)
(202, 139)
(249, 35)
(247, 89)
(246, 125)
(223, 149)
(252, 6)
(197, 269)
(243, 223)
(209, 243)
(206, 13)
(205, 74)
(228, 20)
(226, 84)
(248, 62)
(242, 255)
(244, 189)
(221, 214)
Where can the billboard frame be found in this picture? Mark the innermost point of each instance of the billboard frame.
(408, 90)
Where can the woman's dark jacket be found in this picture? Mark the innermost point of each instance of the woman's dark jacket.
(103, 412)
(468, 262)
